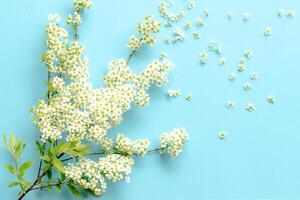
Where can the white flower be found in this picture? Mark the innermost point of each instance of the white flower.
(173, 93)
(187, 25)
(250, 107)
(222, 61)
(248, 54)
(189, 97)
(129, 147)
(147, 28)
(82, 4)
(268, 31)
(205, 13)
(229, 14)
(230, 104)
(247, 86)
(54, 18)
(172, 142)
(199, 22)
(254, 76)
(214, 46)
(290, 13)
(242, 65)
(134, 43)
(246, 16)
(203, 57)
(271, 99)
(191, 4)
(232, 76)
(222, 135)
(281, 12)
(197, 35)
(172, 17)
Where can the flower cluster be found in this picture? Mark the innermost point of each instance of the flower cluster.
(87, 174)
(82, 4)
(127, 146)
(173, 93)
(91, 175)
(81, 111)
(169, 16)
(146, 29)
(173, 141)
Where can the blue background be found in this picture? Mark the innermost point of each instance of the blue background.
(259, 157)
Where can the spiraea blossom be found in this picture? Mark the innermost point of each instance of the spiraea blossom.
(146, 29)
(75, 116)
(172, 142)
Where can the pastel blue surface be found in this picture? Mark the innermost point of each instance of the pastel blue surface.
(260, 156)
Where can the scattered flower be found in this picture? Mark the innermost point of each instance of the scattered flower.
(222, 61)
(197, 35)
(250, 107)
(254, 76)
(247, 86)
(248, 54)
(214, 46)
(281, 12)
(189, 97)
(230, 104)
(173, 93)
(205, 13)
(246, 16)
(170, 16)
(191, 4)
(203, 57)
(242, 65)
(290, 13)
(222, 135)
(232, 76)
(187, 25)
(229, 14)
(199, 22)
(271, 99)
(268, 31)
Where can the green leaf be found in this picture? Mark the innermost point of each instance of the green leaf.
(13, 184)
(10, 168)
(12, 140)
(25, 166)
(58, 164)
(49, 174)
(74, 190)
(62, 177)
(46, 158)
(58, 188)
(5, 140)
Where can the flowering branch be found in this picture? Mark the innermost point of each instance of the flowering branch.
(75, 116)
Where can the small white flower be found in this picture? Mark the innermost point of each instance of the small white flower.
(205, 13)
(214, 46)
(271, 99)
(254, 76)
(199, 22)
(281, 12)
(247, 86)
(191, 4)
(248, 54)
(203, 57)
(250, 107)
(242, 65)
(222, 135)
(163, 55)
(197, 35)
(187, 25)
(290, 13)
(189, 97)
(230, 104)
(232, 76)
(246, 16)
(229, 14)
(222, 61)
(268, 31)
(173, 93)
